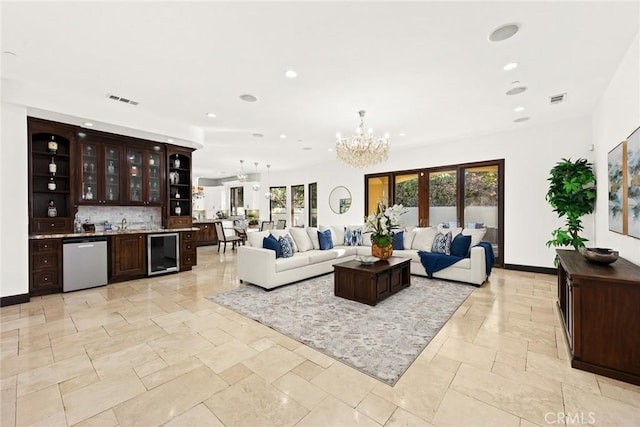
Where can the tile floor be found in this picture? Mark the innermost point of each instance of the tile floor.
(156, 352)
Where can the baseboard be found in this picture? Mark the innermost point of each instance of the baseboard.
(531, 269)
(14, 299)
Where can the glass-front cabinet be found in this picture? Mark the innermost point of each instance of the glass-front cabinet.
(144, 176)
(100, 173)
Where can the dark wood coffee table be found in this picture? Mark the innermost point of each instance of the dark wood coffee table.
(370, 284)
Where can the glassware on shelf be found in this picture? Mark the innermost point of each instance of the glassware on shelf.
(111, 168)
(52, 211)
(176, 162)
(85, 167)
(89, 194)
(52, 166)
(52, 184)
(110, 195)
(52, 145)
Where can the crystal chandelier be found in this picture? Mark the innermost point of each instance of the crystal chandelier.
(242, 177)
(362, 149)
(267, 195)
(256, 186)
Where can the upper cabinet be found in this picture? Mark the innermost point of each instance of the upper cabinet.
(179, 206)
(145, 175)
(100, 171)
(51, 147)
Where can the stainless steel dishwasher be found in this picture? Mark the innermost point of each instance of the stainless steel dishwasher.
(84, 263)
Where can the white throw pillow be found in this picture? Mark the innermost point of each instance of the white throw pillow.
(423, 238)
(337, 233)
(255, 238)
(281, 233)
(301, 239)
(366, 239)
(408, 238)
(313, 235)
(476, 234)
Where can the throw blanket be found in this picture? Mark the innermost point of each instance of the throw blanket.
(435, 262)
(488, 255)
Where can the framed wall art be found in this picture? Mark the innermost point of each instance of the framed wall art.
(617, 189)
(632, 175)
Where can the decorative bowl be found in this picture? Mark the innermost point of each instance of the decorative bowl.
(599, 255)
(366, 260)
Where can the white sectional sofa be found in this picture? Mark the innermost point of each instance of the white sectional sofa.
(260, 266)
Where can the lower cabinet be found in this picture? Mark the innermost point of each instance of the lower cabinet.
(206, 234)
(188, 251)
(128, 257)
(46, 266)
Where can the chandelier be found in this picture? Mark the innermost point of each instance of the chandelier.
(256, 186)
(242, 177)
(362, 149)
(268, 194)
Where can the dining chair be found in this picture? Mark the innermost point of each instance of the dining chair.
(223, 238)
(281, 224)
(266, 225)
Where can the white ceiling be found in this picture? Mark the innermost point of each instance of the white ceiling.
(425, 69)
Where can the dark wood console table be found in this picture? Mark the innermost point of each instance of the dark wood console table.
(370, 284)
(600, 308)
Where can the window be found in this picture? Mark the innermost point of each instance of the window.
(313, 204)
(406, 194)
(297, 206)
(377, 191)
(237, 201)
(278, 204)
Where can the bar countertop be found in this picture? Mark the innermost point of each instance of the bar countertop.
(111, 233)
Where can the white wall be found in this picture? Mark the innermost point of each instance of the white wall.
(14, 224)
(616, 116)
(529, 152)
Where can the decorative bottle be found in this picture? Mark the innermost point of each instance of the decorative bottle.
(52, 145)
(53, 167)
(176, 162)
(110, 195)
(52, 184)
(89, 194)
(177, 195)
(52, 211)
(178, 210)
(111, 168)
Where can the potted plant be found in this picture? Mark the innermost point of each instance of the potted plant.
(381, 225)
(572, 194)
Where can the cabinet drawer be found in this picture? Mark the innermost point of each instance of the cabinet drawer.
(188, 246)
(51, 225)
(46, 280)
(179, 222)
(45, 260)
(47, 245)
(187, 236)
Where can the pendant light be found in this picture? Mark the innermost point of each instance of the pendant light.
(242, 177)
(267, 195)
(256, 186)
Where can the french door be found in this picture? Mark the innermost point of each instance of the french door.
(468, 195)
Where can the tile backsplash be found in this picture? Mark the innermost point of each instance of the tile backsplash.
(138, 217)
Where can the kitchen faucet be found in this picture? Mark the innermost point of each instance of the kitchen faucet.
(124, 221)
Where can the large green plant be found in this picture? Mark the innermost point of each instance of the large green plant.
(572, 194)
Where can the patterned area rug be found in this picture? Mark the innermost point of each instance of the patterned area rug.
(381, 341)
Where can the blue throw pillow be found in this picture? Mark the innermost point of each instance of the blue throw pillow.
(285, 247)
(398, 240)
(324, 237)
(460, 245)
(347, 236)
(271, 242)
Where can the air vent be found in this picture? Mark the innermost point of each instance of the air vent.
(121, 99)
(557, 99)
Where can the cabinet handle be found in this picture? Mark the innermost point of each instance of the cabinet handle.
(46, 279)
(53, 225)
(46, 245)
(139, 237)
(46, 261)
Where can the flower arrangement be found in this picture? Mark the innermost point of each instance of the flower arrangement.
(382, 223)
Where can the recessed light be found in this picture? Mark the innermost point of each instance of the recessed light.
(257, 135)
(283, 136)
(330, 149)
(88, 124)
(402, 134)
(169, 140)
(516, 90)
(518, 109)
(291, 74)
(248, 98)
(504, 32)
(510, 66)
(521, 119)
(299, 140)
(212, 115)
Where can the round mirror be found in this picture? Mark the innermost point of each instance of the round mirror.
(340, 200)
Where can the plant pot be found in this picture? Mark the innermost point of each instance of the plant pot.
(382, 252)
